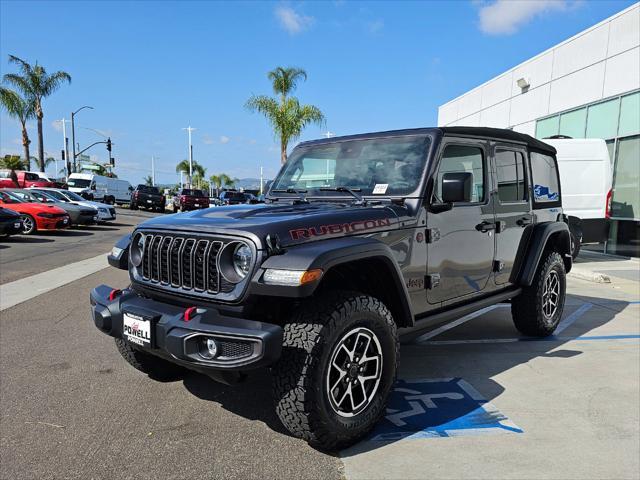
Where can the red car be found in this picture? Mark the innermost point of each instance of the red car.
(35, 216)
(23, 180)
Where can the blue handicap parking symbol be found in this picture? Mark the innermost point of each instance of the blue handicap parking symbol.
(443, 407)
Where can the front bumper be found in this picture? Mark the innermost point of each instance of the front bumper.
(243, 344)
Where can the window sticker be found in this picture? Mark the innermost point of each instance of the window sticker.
(380, 188)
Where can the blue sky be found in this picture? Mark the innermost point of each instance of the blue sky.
(151, 68)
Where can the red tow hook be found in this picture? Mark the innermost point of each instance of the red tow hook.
(113, 294)
(189, 313)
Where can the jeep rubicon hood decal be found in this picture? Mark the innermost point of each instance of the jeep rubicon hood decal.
(293, 224)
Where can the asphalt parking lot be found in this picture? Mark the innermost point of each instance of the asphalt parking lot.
(472, 401)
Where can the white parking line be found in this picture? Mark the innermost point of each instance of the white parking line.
(13, 293)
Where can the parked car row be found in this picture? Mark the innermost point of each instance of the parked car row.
(26, 211)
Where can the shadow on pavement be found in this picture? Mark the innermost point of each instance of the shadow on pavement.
(25, 239)
(253, 399)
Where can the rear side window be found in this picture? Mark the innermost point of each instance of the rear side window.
(511, 177)
(544, 172)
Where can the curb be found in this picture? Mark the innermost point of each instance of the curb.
(589, 276)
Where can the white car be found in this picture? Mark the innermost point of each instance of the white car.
(105, 212)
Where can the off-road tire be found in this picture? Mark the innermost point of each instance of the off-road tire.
(302, 400)
(161, 209)
(153, 366)
(527, 308)
(34, 225)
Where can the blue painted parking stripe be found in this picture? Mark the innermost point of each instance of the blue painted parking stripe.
(567, 321)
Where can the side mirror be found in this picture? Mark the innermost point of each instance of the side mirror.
(456, 187)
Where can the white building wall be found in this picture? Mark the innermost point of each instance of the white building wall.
(597, 63)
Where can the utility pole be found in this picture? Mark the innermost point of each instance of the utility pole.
(261, 182)
(153, 171)
(73, 135)
(189, 130)
(65, 147)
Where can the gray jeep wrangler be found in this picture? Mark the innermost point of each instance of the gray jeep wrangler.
(363, 240)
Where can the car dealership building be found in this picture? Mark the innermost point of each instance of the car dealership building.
(585, 87)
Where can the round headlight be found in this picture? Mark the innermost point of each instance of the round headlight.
(242, 257)
(136, 249)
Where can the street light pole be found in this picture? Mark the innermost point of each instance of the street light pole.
(73, 135)
(153, 171)
(189, 130)
(65, 148)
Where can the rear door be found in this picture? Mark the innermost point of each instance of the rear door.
(461, 249)
(512, 205)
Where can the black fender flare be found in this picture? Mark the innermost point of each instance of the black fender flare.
(542, 234)
(327, 254)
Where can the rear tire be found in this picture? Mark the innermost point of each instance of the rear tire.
(537, 311)
(161, 209)
(575, 245)
(29, 226)
(153, 366)
(338, 364)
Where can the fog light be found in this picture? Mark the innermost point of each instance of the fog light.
(208, 348)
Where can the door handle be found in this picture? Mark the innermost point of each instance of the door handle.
(524, 221)
(484, 227)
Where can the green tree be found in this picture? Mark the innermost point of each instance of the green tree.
(148, 181)
(287, 116)
(36, 84)
(218, 181)
(13, 163)
(20, 108)
(183, 166)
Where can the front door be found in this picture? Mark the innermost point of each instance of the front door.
(461, 250)
(512, 206)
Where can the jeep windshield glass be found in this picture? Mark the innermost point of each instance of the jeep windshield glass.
(377, 166)
(79, 182)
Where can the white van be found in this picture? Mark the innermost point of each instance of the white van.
(585, 178)
(104, 189)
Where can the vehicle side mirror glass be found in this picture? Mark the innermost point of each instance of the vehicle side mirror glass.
(456, 187)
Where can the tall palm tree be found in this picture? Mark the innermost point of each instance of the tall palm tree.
(287, 117)
(218, 181)
(19, 108)
(183, 166)
(36, 84)
(148, 181)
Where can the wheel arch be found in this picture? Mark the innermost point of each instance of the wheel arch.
(544, 236)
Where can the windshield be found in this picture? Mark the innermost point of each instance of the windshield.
(53, 195)
(378, 166)
(79, 182)
(45, 196)
(72, 196)
(26, 196)
(6, 197)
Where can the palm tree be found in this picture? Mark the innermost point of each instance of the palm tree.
(148, 181)
(36, 84)
(287, 117)
(13, 163)
(197, 169)
(19, 108)
(218, 181)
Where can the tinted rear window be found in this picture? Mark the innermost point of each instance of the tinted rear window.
(192, 193)
(546, 186)
(148, 189)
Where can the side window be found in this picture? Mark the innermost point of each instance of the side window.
(544, 174)
(459, 159)
(511, 177)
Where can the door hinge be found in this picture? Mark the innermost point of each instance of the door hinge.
(431, 281)
(433, 235)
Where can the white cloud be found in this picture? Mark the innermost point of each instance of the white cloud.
(505, 17)
(224, 139)
(207, 139)
(292, 21)
(375, 26)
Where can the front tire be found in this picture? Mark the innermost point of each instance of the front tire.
(29, 225)
(153, 366)
(537, 311)
(338, 364)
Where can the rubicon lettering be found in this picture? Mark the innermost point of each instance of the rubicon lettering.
(339, 228)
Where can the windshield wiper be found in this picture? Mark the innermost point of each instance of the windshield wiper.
(300, 193)
(351, 191)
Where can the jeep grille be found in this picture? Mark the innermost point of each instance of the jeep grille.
(183, 262)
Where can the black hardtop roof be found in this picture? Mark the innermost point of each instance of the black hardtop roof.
(482, 132)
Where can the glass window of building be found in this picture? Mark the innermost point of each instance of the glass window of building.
(626, 197)
(573, 123)
(629, 115)
(602, 121)
(547, 127)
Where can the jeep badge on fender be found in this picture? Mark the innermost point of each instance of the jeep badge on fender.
(362, 240)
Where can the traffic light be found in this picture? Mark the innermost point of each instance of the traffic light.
(109, 144)
(112, 161)
(62, 155)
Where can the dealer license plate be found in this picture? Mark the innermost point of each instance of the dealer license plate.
(197, 204)
(136, 329)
